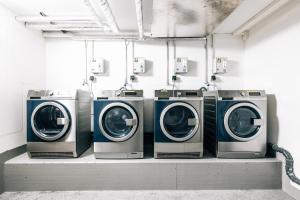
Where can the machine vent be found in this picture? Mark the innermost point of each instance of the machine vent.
(210, 122)
(51, 154)
(179, 155)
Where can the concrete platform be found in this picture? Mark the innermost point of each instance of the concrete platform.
(151, 195)
(87, 173)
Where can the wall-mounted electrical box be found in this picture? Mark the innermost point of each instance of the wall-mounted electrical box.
(139, 65)
(97, 66)
(220, 65)
(181, 65)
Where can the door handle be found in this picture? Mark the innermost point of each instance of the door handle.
(130, 122)
(192, 122)
(257, 122)
(61, 121)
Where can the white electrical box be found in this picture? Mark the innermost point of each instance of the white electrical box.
(181, 65)
(97, 66)
(220, 65)
(139, 65)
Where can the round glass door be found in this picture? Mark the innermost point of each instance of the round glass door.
(179, 121)
(243, 121)
(118, 122)
(50, 121)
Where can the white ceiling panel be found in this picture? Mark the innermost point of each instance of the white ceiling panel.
(49, 7)
(189, 18)
(125, 14)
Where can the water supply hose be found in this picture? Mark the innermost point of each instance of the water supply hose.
(289, 163)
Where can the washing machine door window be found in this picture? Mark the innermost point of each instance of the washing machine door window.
(243, 121)
(179, 121)
(118, 122)
(50, 121)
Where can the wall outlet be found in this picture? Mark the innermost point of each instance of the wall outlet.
(181, 65)
(97, 66)
(220, 65)
(139, 65)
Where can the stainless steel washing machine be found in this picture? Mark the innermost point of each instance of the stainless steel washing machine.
(235, 123)
(118, 124)
(178, 128)
(58, 123)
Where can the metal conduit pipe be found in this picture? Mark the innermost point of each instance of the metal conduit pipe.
(139, 16)
(106, 11)
(47, 19)
(168, 63)
(289, 163)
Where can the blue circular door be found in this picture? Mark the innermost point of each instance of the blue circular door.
(243, 121)
(50, 121)
(118, 121)
(114, 122)
(179, 121)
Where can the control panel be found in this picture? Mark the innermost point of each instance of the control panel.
(165, 94)
(230, 94)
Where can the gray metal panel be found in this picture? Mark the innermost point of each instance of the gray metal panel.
(189, 18)
(189, 145)
(78, 138)
(133, 144)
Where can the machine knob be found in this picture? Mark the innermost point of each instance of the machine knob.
(243, 94)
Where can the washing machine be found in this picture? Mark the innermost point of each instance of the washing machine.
(58, 123)
(235, 123)
(118, 124)
(178, 124)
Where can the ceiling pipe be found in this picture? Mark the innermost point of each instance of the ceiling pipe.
(106, 11)
(66, 27)
(139, 16)
(47, 19)
(91, 35)
(109, 35)
(75, 29)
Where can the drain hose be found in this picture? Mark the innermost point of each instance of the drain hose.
(289, 163)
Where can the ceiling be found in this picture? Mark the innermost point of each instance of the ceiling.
(161, 18)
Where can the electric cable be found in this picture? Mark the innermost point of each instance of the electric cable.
(289, 163)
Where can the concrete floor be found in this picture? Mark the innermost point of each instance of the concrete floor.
(151, 195)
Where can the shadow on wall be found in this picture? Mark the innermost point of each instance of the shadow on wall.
(273, 122)
(149, 69)
(192, 68)
(233, 70)
(281, 20)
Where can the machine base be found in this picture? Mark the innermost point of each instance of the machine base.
(241, 155)
(105, 155)
(53, 150)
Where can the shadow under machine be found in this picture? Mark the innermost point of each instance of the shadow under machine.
(118, 124)
(178, 131)
(58, 123)
(235, 123)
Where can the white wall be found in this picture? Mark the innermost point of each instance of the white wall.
(272, 63)
(22, 66)
(66, 65)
